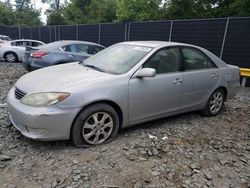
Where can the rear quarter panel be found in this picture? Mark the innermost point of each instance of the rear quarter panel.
(231, 80)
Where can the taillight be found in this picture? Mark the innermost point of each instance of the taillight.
(38, 54)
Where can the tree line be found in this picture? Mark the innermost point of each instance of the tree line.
(23, 13)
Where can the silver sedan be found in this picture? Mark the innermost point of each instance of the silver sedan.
(126, 84)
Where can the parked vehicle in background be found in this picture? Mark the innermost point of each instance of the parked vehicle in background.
(5, 38)
(59, 52)
(123, 85)
(13, 51)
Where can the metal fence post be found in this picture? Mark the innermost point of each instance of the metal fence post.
(50, 34)
(77, 32)
(30, 34)
(129, 25)
(224, 38)
(99, 37)
(39, 33)
(59, 32)
(20, 34)
(170, 31)
(125, 32)
(55, 33)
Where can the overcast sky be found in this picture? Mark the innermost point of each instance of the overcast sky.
(44, 6)
(38, 5)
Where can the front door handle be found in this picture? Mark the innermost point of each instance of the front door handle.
(214, 75)
(177, 81)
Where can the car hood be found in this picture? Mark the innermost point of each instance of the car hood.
(59, 78)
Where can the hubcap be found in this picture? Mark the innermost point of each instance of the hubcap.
(10, 57)
(216, 102)
(97, 128)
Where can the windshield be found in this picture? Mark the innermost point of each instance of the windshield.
(117, 59)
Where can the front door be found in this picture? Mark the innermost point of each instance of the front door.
(154, 97)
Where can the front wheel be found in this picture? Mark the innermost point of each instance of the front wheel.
(97, 124)
(215, 103)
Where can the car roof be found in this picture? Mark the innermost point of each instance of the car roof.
(66, 42)
(154, 44)
(162, 44)
(25, 40)
(4, 36)
(58, 44)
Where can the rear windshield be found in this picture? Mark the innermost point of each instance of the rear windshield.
(51, 45)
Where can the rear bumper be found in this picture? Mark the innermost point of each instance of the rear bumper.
(33, 64)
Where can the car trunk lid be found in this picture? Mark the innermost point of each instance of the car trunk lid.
(28, 52)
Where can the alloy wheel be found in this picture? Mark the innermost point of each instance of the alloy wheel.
(10, 57)
(97, 128)
(216, 102)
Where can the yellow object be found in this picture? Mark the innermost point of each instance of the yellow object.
(245, 72)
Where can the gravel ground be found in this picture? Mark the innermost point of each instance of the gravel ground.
(183, 151)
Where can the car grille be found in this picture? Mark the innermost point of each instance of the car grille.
(19, 94)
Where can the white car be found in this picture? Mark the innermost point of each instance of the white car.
(5, 38)
(13, 51)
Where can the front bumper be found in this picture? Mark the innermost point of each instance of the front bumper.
(47, 123)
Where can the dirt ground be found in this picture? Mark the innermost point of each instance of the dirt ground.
(183, 151)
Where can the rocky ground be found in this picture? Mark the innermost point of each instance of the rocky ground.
(183, 151)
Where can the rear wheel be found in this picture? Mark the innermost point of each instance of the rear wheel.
(95, 125)
(10, 57)
(215, 103)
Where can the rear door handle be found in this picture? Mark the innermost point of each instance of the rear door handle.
(71, 56)
(177, 81)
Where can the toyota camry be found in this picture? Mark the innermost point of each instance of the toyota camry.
(126, 84)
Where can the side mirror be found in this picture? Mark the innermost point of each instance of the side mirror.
(146, 72)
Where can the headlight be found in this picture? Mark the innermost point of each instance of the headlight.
(43, 99)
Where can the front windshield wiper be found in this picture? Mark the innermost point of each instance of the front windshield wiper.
(94, 67)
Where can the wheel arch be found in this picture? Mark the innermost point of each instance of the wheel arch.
(9, 52)
(114, 105)
(224, 89)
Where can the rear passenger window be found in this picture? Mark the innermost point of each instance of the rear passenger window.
(193, 59)
(26, 43)
(96, 49)
(35, 44)
(17, 43)
(77, 48)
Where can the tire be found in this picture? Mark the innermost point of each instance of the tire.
(215, 103)
(97, 124)
(10, 57)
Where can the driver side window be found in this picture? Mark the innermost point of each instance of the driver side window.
(164, 61)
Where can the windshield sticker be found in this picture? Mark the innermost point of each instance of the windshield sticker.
(145, 49)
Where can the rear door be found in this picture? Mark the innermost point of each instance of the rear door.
(19, 48)
(200, 77)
